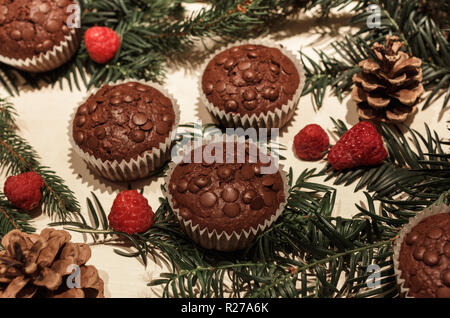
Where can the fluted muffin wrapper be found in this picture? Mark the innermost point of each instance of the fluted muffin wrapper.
(222, 241)
(50, 60)
(270, 119)
(145, 163)
(430, 211)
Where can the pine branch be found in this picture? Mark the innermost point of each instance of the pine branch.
(423, 38)
(12, 219)
(151, 33)
(17, 156)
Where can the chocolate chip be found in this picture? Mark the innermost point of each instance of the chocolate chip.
(269, 198)
(208, 88)
(229, 194)
(92, 107)
(61, 3)
(231, 105)
(277, 186)
(231, 210)
(224, 172)
(128, 98)
(80, 120)
(244, 65)
(249, 94)
(100, 133)
(139, 119)
(220, 86)
(137, 135)
(251, 105)
(443, 292)
(115, 101)
(193, 188)
(92, 142)
(53, 26)
(435, 233)
(253, 54)
(257, 203)
(257, 170)
(28, 33)
(202, 181)
(185, 213)
(182, 186)
(79, 137)
(247, 172)
(221, 59)
(162, 128)
(268, 180)
(16, 35)
(446, 249)
(445, 277)
(148, 126)
(249, 75)
(418, 252)
(431, 258)
(83, 110)
(142, 88)
(47, 45)
(248, 196)
(167, 118)
(412, 237)
(229, 64)
(274, 68)
(65, 29)
(208, 199)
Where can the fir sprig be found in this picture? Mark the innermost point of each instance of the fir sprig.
(17, 156)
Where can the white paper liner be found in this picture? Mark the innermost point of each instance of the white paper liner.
(433, 210)
(223, 241)
(270, 119)
(144, 164)
(47, 61)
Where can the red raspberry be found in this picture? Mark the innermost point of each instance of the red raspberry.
(362, 145)
(130, 213)
(24, 190)
(311, 142)
(102, 44)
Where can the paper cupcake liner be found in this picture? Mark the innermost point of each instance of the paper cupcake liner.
(47, 61)
(432, 210)
(271, 119)
(223, 241)
(133, 169)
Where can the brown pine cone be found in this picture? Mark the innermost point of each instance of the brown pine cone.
(389, 89)
(37, 266)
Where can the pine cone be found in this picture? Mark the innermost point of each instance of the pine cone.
(388, 90)
(36, 266)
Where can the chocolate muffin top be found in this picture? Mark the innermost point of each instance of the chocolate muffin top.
(226, 196)
(250, 79)
(425, 258)
(123, 121)
(31, 27)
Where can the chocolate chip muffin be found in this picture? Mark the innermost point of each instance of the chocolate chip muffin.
(31, 30)
(124, 131)
(252, 81)
(229, 202)
(424, 258)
